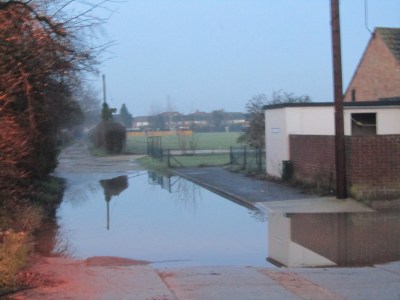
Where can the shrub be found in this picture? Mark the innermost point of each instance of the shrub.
(109, 136)
(14, 250)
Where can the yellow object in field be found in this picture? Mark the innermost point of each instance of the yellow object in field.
(160, 133)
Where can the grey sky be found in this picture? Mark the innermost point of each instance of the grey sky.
(217, 54)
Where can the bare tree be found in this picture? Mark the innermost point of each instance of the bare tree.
(254, 133)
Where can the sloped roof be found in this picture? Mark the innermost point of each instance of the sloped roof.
(391, 37)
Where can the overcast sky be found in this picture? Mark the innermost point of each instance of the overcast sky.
(206, 55)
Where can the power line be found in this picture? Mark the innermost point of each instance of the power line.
(366, 15)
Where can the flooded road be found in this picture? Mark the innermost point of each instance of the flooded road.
(168, 220)
(113, 208)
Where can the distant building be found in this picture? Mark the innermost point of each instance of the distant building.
(199, 121)
(378, 73)
(141, 122)
(234, 118)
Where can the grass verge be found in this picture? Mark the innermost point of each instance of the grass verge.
(154, 165)
(18, 222)
(188, 161)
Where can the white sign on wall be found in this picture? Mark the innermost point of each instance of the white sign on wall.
(275, 130)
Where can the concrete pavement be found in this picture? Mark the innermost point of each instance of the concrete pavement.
(71, 279)
(380, 282)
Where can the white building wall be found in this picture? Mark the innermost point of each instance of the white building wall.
(315, 120)
(281, 122)
(387, 119)
(276, 139)
(310, 120)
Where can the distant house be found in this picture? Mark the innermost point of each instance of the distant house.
(141, 122)
(378, 73)
(196, 120)
(234, 118)
(199, 121)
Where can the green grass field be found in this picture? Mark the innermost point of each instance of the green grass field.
(199, 141)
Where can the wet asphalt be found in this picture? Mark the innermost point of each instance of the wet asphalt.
(266, 195)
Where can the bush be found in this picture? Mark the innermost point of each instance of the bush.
(109, 136)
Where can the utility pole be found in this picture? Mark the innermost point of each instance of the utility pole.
(340, 151)
(104, 89)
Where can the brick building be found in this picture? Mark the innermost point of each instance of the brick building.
(303, 133)
(378, 73)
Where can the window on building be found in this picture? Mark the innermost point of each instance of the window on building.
(363, 124)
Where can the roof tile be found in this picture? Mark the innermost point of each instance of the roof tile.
(391, 37)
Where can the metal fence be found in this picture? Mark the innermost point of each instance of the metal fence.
(154, 147)
(195, 158)
(245, 158)
(249, 159)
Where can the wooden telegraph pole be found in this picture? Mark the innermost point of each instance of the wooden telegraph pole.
(340, 151)
(104, 89)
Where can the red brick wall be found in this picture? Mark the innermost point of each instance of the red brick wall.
(313, 158)
(373, 164)
(378, 74)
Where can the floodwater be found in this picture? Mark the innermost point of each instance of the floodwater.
(174, 223)
(170, 221)
(334, 239)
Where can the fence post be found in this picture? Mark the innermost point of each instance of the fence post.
(168, 159)
(230, 155)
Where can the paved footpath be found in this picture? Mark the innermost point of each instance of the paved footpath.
(114, 278)
(72, 279)
(266, 195)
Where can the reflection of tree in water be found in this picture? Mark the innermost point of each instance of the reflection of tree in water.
(113, 187)
(49, 241)
(189, 193)
(45, 238)
(63, 247)
(185, 191)
(78, 194)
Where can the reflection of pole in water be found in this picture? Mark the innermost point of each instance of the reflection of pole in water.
(108, 215)
(113, 187)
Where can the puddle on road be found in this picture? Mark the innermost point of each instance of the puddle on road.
(176, 223)
(145, 216)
